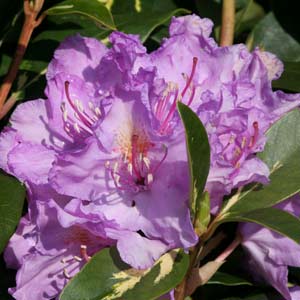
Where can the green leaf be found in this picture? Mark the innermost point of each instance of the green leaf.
(269, 35)
(5, 61)
(142, 20)
(228, 279)
(35, 66)
(247, 17)
(282, 155)
(198, 154)
(283, 140)
(284, 183)
(290, 78)
(160, 34)
(91, 9)
(106, 277)
(275, 219)
(12, 195)
(61, 26)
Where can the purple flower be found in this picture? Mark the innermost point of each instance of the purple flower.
(126, 174)
(50, 246)
(270, 253)
(229, 88)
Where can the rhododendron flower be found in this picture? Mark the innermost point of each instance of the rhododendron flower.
(270, 253)
(50, 246)
(109, 140)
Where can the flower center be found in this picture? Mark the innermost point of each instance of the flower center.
(78, 236)
(236, 150)
(165, 107)
(78, 120)
(140, 159)
(83, 258)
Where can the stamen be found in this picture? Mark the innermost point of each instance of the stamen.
(191, 96)
(255, 135)
(65, 115)
(188, 83)
(79, 105)
(91, 105)
(117, 179)
(97, 111)
(129, 168)
(170, 114)
(67, 129)
(146, 161)
(84, 118)
(134, 141)
(162, 104)
(66, 274)
(77, 258)
(244, 140)
(83, 252)
(116, 165)
(164, 157)
(76, 127)
(149, 178)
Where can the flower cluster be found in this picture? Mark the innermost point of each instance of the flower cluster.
(104, 157)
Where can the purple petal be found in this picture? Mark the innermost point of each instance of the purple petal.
(41, 277)
(295, 293)
(8, 140)
(85, 168)
(30, 162)
(164, 208)
(137, 251)
(20, 244)
(252, 170)
(30, 120)
(78, 56)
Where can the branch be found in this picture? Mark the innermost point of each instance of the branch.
(227, 27)
(31, 21)
(181, 289)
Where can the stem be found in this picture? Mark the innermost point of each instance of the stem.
(31, 12)
(7, 106)
(211, 245)
(234, 244)
(180, 290)
(227, 27)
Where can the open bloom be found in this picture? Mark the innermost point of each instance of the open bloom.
(270, 253)
(130, 176)
(229, 88)
(50, 246)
